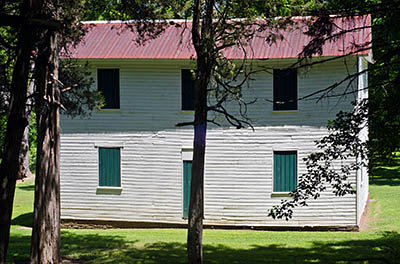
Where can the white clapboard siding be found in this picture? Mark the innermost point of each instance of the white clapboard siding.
(238, 168)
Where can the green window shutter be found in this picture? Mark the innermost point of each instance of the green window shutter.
(285, 89)
(285, 171)
(110, 167)
(108, 85)
(187, 175)
(188, 91)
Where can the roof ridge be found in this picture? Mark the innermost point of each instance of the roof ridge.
(190, 20)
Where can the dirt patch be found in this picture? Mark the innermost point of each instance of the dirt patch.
(102, 224)
(32, 176)
(24, 228)
(72, 261)
(63, 261)
(367, 218)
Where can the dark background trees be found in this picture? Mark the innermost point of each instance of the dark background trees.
(383, 74)
(33, 33)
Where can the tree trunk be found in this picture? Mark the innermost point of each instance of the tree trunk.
(17, 121)
(196, 205)
(45, 246)
(201, 36)
(24, 170)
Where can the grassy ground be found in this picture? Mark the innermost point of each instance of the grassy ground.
(380, 243)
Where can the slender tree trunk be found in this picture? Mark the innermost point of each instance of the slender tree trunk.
(24, 170)
(17, 121)
(202, 36)
(45, 246)
(196, 205)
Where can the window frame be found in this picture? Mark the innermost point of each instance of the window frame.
(105, 108)
(109, 146)
(187, 155)
(284, 193)
(274, 110)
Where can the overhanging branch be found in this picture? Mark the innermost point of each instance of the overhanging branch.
(17, 21)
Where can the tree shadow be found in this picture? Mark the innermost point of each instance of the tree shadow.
(385, 176)
(23, 220)
(97, 248)
(30, 187)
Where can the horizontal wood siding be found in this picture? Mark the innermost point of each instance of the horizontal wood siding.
(239, 163)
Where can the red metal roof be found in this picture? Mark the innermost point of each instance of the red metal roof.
(111, 40)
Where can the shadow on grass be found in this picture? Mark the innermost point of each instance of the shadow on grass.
(27, 187)
(23, 220)
(97, 248)
(385, 176)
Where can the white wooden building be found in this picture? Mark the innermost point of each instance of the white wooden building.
(129, 162)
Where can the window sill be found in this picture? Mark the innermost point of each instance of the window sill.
(280, 194)
(285, 111)
(186, 112)
(109, 110)
(108, 190)
(105, 144)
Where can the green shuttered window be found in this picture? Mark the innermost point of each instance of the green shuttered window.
(188, 91)
(285, 171)
(108, 85)
(285, 89)
(187, 175)
(110, 167)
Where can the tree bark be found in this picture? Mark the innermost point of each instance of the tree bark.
(24, 170)
(45, 246)
(196, 205)
(17, 121)
(201, 36)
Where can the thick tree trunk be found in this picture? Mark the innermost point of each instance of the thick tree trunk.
(45, 246)
(17, 121)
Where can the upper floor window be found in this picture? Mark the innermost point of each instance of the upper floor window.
(285, 89)
(108, 85)
(188, 91)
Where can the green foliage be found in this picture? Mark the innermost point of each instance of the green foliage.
(3, 126)
(138, 10)
(341, 154)
(384, 73)
(7, 44)
(271, 9)
(384, 83)
(78, 97)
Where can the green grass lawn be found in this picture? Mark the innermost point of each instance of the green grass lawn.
(379, 244)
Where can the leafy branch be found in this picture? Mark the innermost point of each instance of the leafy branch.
(340, 154)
